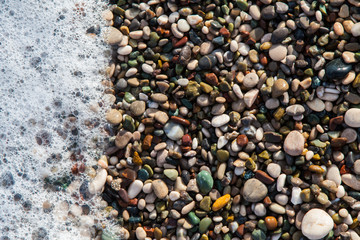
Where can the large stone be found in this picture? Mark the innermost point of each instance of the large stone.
(352, 118)
(316, 224)
(254, 190)
(294, 143)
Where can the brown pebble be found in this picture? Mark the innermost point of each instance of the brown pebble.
(271, 223)
(242, 140)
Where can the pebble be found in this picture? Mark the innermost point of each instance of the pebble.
(204, 181)
(278, 52)
(220, 120)
(140, 233)
(98, 182)
(183, 25)
(221, 202)
(251, 80)
(274, 170)
(160, 188)
(174, 131)
(137, 108)
(113, 36)
(316, 224)
(355, 29)
(316, 105)
(279, 88)
(294, 143)
(351, 181)
(351, 117)
(254, 190)
(135, 188)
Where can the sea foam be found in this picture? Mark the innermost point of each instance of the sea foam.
(50, 73)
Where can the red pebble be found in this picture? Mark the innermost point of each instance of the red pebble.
(186, 140)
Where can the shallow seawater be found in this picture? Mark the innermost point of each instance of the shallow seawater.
(50, 74)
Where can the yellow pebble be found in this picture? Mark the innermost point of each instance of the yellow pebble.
(316, 157)
(136, 159)
(230, 218)
(204, 237)
(221, 202)
(316, 169)
(355, 224)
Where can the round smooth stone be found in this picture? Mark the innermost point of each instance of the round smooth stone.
(126, 50)
(220, 120)
(205, 181)
(316, 224)
(274, 170)
(207, 62)
(251, 80)
(316, 105)
(183, 25)
(294, 143)
(350, 134)
(160, 188)
(135, 188)
(254, 190)
(174, 131)
(352, 118)
(147, 68)
(278, 52)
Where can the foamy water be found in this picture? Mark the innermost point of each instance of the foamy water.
(49, 71)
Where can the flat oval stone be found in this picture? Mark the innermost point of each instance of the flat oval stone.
(294, 143)
(277, 52)
(220, 120)
(337, 69)
(207, 62)
(352, 118)
(254, 190)
(174, 131)
(205, 181)
(316, 105)
(316, 224)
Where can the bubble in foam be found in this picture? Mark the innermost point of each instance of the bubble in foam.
(49, 73)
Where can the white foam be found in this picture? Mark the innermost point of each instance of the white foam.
(49, 68)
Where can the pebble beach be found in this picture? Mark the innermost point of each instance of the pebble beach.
(232, 120)
(180, 120)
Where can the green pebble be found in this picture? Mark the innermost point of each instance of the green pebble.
(318, 143)
(222, 155)
(224, 86)
(250, 164)
(243, 5)
(257, 234)
(172, 174)
(204, 224)
(149, 170)
(193, 218)
(160, 206)
(129, 97)
(205, 204)
(129, 123)
(205, 182)
(133, 63)
(261, 224)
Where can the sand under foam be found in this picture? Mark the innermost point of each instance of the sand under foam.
(49, 70)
